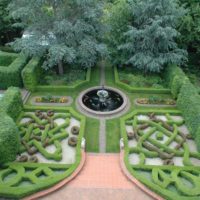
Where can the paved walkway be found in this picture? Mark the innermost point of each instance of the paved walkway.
(101, 178)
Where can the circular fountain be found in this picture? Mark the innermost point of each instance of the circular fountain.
(102, 101)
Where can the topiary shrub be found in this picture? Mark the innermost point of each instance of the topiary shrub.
(11, 103)
(32, 73)
(11, 66)
(75, 130)
(9, 139)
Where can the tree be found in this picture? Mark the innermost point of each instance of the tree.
(190, 27)
(7, 31)
(150, 40)
(117, 18)
(64, 31)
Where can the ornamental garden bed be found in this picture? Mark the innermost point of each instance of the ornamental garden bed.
(161, 153)
(50, 100)
(50, 151)
(134, 81)
(155, 102)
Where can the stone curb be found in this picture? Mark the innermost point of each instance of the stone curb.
(135, 181)
(60, 184)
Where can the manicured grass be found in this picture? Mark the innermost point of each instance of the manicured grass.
(112, 136)
(92, 135)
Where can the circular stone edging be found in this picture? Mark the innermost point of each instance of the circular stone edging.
(98, 113)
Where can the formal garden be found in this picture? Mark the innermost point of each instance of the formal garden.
(100, 77)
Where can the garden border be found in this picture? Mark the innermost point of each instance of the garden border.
(137, 90)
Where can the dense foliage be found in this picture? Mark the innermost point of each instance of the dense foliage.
(149, 43)
(9, 139)
(11, 103)
(7, 31)
(63, 31)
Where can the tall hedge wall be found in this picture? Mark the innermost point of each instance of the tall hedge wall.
(175, 77)
(32, 73)
(10, 74)
(11, 103)
(9, 139)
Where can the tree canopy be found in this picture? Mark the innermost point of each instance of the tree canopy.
(149, 43)
(64, 31)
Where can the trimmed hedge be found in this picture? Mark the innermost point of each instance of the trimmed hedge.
(189, 103)
(11, 66)
(9, 139)
(11, 103)
(175, 77)
(32, 73)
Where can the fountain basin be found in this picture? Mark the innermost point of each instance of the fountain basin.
(90, 102)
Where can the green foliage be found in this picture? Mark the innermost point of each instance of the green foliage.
(188, 102)
(11, 103)
(190, 27)
(71, 76)
(150, 40)
(11, 66)
(7, 30)
(62, 31)
(9, 139)
(117, 17)
(31, 74)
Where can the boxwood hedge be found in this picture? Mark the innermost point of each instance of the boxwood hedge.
(11, 103)
(11, 65)
(32, 73)
(9, 139)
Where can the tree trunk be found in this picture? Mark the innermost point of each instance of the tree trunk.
(60, 68)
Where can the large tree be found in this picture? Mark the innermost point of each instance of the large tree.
(64, 31)
(150, 40)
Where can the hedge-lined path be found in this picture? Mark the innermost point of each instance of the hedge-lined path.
(101, 178)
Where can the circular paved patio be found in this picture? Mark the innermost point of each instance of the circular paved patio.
(101, 178)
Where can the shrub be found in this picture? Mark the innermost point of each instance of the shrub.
(9, 139)
(11, 103)
(189, 103)
(11, 66)
(32, 73)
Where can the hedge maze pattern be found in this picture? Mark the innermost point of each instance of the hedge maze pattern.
(39, 130)
(163, 138)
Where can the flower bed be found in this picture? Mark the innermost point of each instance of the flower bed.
(153, 100)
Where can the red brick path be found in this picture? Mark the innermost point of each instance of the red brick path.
(100, 179)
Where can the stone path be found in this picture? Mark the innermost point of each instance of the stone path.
(102, 128)
(101, 178)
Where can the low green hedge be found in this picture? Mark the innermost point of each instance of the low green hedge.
(9, 139)
(137, 90)
(11, 103)
(32, 73)
(11, 66)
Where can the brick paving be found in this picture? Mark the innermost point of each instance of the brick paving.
(101, 178)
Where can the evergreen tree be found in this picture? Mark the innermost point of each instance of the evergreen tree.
(64, 31)
(150, 40)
